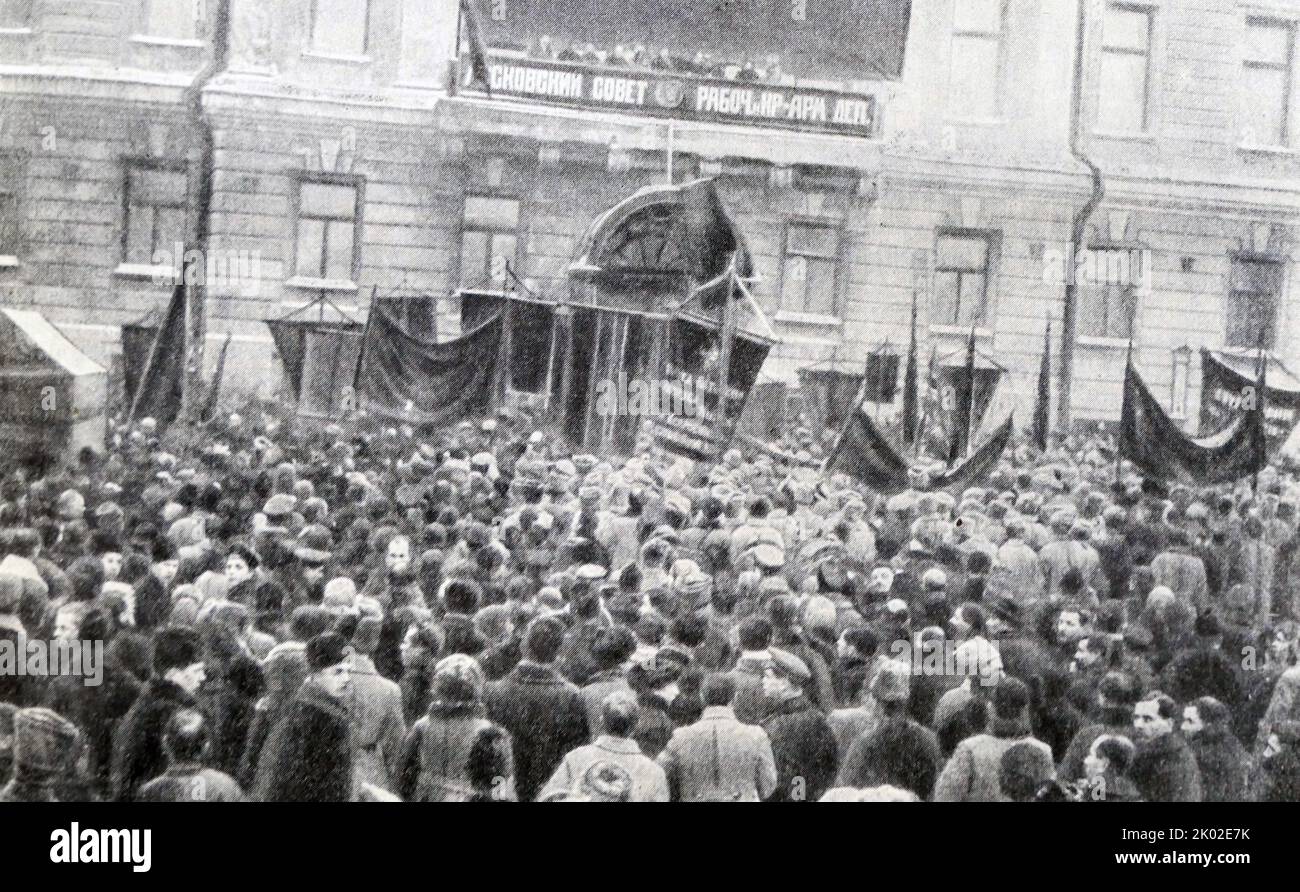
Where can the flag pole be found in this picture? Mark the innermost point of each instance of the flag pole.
(970, 396)
(728, 337)
(1119, 453)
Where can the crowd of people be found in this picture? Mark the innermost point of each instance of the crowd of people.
(292, 612)
(639, 56)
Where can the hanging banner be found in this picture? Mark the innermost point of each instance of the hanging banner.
(693, 98)
(1226, 380)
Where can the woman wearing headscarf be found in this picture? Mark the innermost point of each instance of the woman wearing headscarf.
(435, 764)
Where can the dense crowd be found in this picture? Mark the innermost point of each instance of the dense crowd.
(662, 59)
(335, 613)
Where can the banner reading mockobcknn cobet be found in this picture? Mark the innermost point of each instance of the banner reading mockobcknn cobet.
(689, 98)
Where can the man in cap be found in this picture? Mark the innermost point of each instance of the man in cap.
(973, 773)
(308, 757)
(769, 560)
(178, 673)
(45, 750)
(803, 744)
(375, 706)
(895, 750)
(719, 758)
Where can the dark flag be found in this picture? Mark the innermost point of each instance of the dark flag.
(1043, 405)
(864, 454)
(980, 464)
(964, 407)
(160, 391)
(911, 397)
(478, 51)
(1160, 450)
(710, 237)
(419, 382)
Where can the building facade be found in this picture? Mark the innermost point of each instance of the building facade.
(354, 156)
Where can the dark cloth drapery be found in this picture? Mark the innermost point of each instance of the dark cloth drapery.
(413, 381)
(1158, 448)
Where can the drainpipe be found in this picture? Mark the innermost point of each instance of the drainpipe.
(1069, 312)
(197, 293)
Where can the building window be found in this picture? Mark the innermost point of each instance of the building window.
(812, 254)
(156, 197)
(340, 27)
(172, 19)
(8, 224)
(1125, 70)
(1254, 295)
(489, 240)
(976, 64)
(1269, 49)
(961, 279)
(420, 40)
(327, 231)
(1108, 292)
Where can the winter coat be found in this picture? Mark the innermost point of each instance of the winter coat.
(96, 710)
(899, 752)
(1184, 574)
(231, 697)
(138, 754)
(544, 715)
(1281, 777)
(1284, 705)
(308, 756)
(719, 759)
(284, 670)
(378, 727)
(1164, 770)
(1222, 763)
(434, 762)
(649, 783)
(973, 772)
(804, 748)
(191, 783)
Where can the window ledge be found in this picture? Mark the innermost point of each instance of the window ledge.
(159, 273)
(798, 318)
(8, 261)
(346, 58)
(1126, 136)
(183, 42)
(1098, 341)
(980, 331)
(420, 83)
(310, 283)
(1255, 149)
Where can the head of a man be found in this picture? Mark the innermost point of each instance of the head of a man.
(1155, 715)
(178, 658)
(398, 557)
(330, 660)
(1109, 754)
